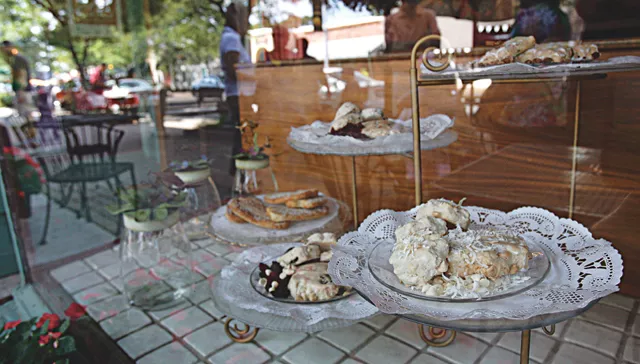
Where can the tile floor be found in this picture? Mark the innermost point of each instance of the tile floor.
(193, 332)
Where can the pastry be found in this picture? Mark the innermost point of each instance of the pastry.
(417, 264)
(325, 241)
(377, 128)
(308, 203)
(446, 210)
(283, 213)
(275, 279)
(283, 197)
(253, 210)
(507, 52)
(585, 52)
(348, 108)
(233, 217)
(311, 282)
(546, 54)
(491, 253)
(300, 255)
(372, 114)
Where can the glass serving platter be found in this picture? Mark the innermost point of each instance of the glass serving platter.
(382, 271)
(255, 277)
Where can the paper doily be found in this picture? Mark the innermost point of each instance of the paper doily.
(253, 235)
(315, 138)
(235, 288)
(583, 269)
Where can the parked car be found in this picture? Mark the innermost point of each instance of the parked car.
(211, 86)
(136, 86)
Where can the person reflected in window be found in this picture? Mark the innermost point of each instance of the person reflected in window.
(20, 77)
(408, 25)
(305, 50)
(233, 53)
(98, 78)
(543, 19)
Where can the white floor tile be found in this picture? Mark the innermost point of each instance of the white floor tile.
(69, 271)
(407, 332)
(487, 337)
(199, 292)
(569, 353)
(124, 323)
(347, 338)
(144, 341)
(232, 256)
(351, 361)
(593, 336)
(313, 351)
(279, 342)
(613, 317)
(240, 354)
(380, 321)
(211, 309)
(186, 321)
(497, 355)
(383, 350)
(111, 271)
(81, 282)
(208, 339)
(541, 344)
(103, 259)
(619, 301)
(172, 353)
(108, 307)
(632, 350)
(220, 249)
(160, 314)
(211, 267)
(95, 294)
(464, 349)
(203, 242)
(427, 359)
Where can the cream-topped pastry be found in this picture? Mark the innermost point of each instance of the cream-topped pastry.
(348, 108)
(417, 264)
(343, 121)
(489, 252)
(377, 128)
(372, 114)
(299, 255)
(446, 210)
(311, 282)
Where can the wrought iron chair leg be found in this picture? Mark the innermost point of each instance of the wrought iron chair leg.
(47, 217)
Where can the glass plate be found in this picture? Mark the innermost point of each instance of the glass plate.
(382, 271)
(255, 277)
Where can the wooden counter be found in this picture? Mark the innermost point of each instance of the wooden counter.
(515, 150)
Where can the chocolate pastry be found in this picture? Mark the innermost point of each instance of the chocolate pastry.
(352, 130)
(275, 279)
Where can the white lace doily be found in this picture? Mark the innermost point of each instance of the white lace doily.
(253, 235)
(522, 70)
(236, 288)
(315, 138)
(582, 268)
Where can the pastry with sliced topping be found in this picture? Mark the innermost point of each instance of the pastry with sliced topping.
(449, 211)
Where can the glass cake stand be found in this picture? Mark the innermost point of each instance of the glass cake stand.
(443, 332)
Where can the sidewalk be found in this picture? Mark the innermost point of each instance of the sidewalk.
(193, 332)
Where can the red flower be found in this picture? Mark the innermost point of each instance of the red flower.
(54, 321)
(75, 311)
(44, 340)
(55, 335)
(11, 324)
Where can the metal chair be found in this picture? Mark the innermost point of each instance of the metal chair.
(70, 156)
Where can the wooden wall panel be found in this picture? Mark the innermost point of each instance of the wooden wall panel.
(514, 151)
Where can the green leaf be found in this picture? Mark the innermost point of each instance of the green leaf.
(130, 214)
(127, 195)
(116, 210)
(255, 139)
(62, 361)
(160, 213)
(43, 329)
(66, 345)
(64, 326)
(143, 215)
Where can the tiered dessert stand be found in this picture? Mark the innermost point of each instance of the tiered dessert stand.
(443, 332)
